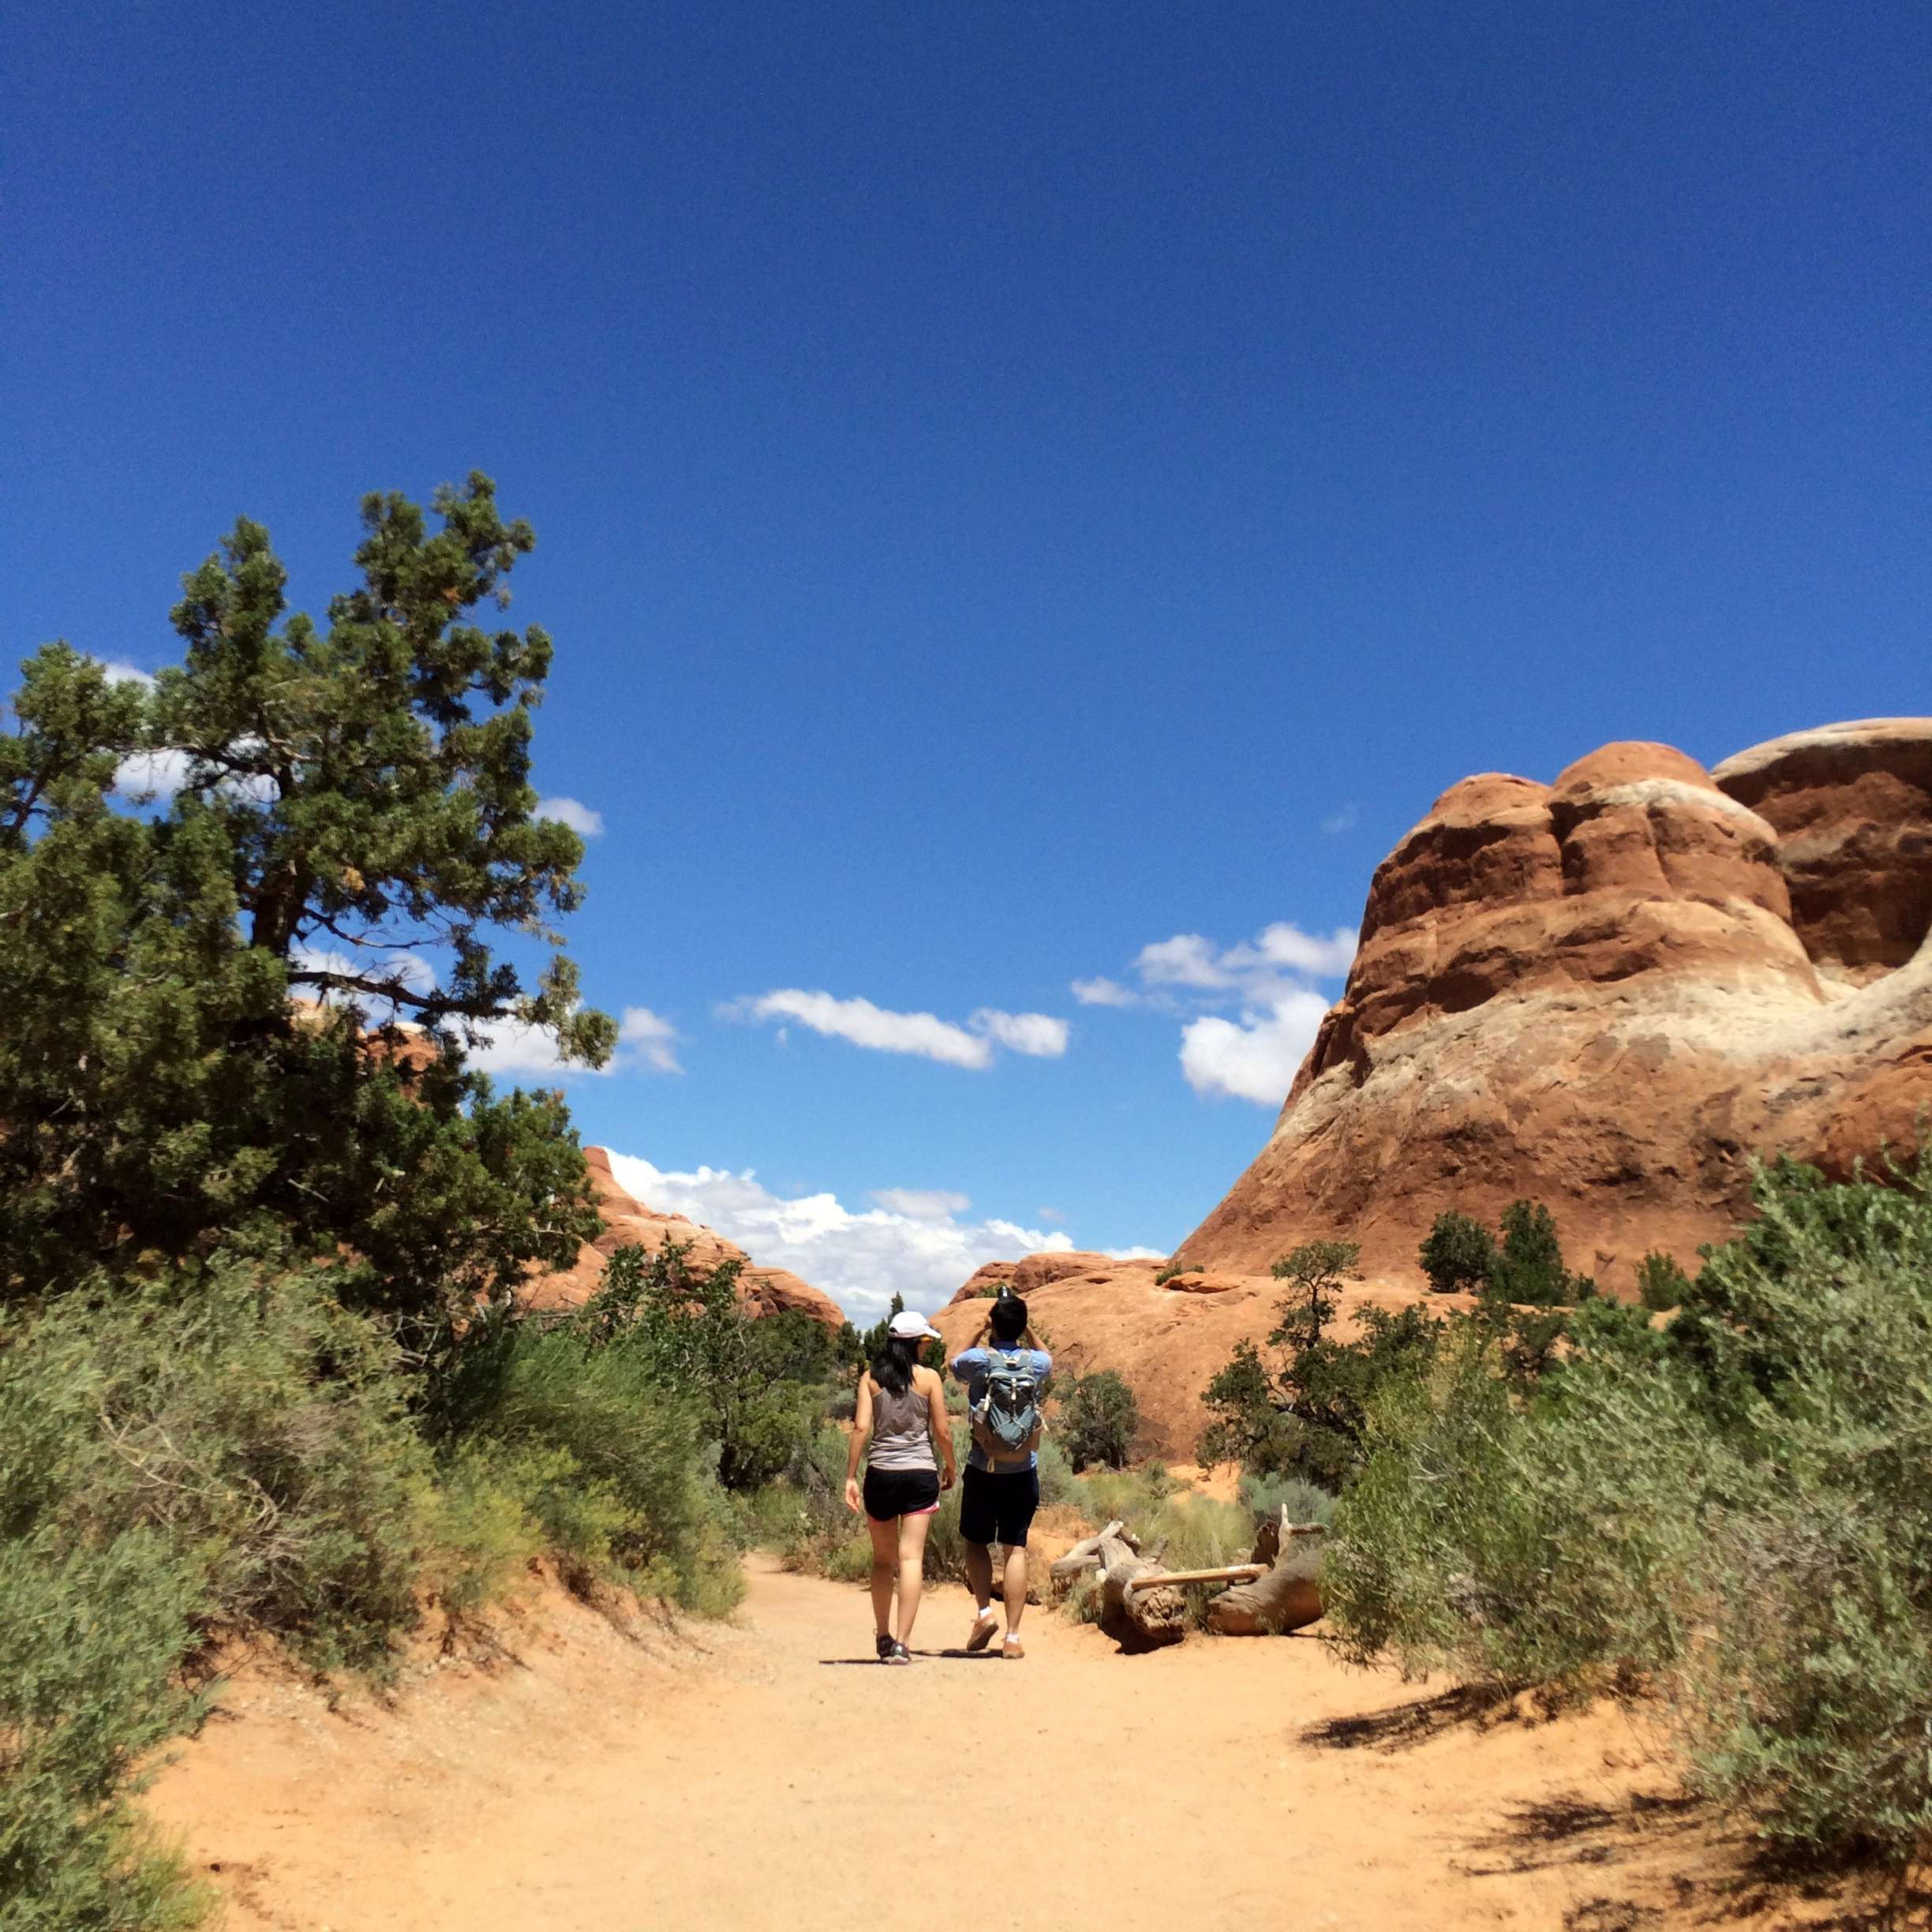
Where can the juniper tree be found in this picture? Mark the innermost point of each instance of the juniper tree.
(202, 1042)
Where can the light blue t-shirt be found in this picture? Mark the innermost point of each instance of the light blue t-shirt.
(970, 1366)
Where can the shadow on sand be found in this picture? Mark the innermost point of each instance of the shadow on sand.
(1670, 1861)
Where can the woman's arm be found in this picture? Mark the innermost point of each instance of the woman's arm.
(940, 1425)
(861, 1435)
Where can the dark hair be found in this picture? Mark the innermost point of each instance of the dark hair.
(1009, 1319)
(891, 1367)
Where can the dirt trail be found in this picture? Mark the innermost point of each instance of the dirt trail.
(757, 1775)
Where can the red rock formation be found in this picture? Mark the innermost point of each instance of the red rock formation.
(1606, 994)
(628, 1223)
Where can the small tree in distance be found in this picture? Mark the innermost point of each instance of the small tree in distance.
(1098, 1418)
(1459, 1254)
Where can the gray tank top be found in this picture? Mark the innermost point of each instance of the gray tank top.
(901, 1431)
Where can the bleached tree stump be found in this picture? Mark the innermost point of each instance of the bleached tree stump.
(1288, 1597)
(1138, 1618)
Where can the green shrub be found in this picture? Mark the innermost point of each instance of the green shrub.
(1661, 1284)
(91, 1640)
(1174, 1270)
(578, 1424)
(1735, 1509)
(1266, 1495)
(1057, 1481)
(1097, 1421)
(1458, 1254)
(243, 1415)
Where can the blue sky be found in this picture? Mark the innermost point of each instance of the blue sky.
(1014, 488)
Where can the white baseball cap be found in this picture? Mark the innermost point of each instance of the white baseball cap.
(910, 1326)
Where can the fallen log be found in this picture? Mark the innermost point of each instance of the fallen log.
(1138, 1607)
(1286, 1596)
(1083, 1557)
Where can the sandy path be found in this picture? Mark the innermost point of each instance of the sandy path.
(759, 1779)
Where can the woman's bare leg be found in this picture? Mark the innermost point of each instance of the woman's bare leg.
(885, 1558)
(911, 1569)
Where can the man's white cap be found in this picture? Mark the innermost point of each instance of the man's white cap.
(911, 1328)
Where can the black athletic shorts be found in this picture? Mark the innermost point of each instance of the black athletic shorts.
(901, 1492)
(998, 1508)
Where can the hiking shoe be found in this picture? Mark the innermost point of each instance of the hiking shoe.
(897, 1654)
(984, 1625)
(885, 1648)
(1013, 1647)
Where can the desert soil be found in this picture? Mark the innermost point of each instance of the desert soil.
(768, 1773)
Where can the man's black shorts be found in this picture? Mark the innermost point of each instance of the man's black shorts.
(998, 1508)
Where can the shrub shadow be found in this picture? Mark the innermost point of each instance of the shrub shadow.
(1404, 1726)
(1669, 1860)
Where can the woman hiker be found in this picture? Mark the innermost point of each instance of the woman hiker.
(902, 1413)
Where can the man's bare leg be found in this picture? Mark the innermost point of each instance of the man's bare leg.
(979, 1581)
(1015, 1594)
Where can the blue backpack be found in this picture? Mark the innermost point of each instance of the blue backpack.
(1007, 1423)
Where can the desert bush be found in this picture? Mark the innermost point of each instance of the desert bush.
(1267, 1495)
(1661, 1283)
(576, 1422)
(1458, 1254)
(1734, 1510)
(1174, 1270)
(91, 1638)
(1058, 1482)
(240, 1413)
(1097, 1419)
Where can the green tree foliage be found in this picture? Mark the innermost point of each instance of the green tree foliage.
(754, 1383)
(1302, 1414)
(352, 821)
(1529, 1268)
(1661, 1283)
(1097, 1419)
(1458, 1254)
(1733, 1509)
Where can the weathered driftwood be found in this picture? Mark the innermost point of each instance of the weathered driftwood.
(1286, 1596)
(1083, 1557)
(1153, 1613)
(1233, 1573)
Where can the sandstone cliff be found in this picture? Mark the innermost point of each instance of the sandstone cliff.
(1607, 994)
(628, 1223)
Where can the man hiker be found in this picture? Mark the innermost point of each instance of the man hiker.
(1005, 1386)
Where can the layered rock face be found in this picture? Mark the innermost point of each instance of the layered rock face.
(1606, 994)
(627, 1222)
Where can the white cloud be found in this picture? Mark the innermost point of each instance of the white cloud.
(913, 1242)
(922, 1203)
(925, 1035)
(581, 819)
(1336, 823)
(1285, 944)
(1265, 982)
(864, 1025)
(512, 1051)
(1040, 1034)
(1256, 1058)
(150, 775)
(647, 1039)
(860, 1259)
(1186, 959)
(119, 672)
